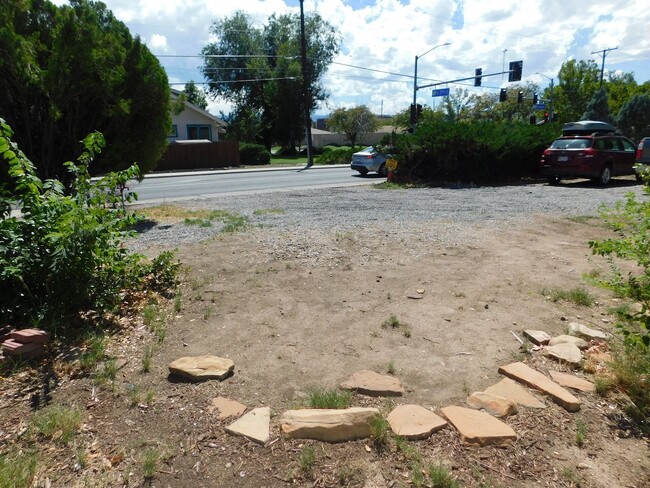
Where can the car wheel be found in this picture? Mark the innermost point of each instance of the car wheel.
(605, 176)
(554, 180)
(383, 170)
(363, 172)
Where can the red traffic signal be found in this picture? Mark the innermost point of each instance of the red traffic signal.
(503, 95)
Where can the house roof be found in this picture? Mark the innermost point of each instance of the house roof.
(176, 93)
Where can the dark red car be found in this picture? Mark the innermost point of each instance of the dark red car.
(598, 155)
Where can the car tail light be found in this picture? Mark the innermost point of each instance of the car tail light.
(589, 153)
(370, 156)
(639, 152)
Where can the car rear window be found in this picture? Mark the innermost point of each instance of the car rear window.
(581, 143)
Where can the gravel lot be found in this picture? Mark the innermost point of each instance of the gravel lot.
(438, 214)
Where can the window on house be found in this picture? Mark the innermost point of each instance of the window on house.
(174, 131)
(199, 132)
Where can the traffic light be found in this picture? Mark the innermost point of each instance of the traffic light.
(418, 111)
(520, 97)
(535, 98)
(478, 73)
(412, 114)
(503, 95)
(516, 67)
(546, 117)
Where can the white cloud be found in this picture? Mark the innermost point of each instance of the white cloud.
(388, 34)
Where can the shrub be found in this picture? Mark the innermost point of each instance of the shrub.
(335, 156)
(476, 151)
(631, 365)
(253, 154)
(64, 254)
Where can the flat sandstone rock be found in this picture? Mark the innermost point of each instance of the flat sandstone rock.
(525, 374)
(572, 381)
(414, 422)
(329, 425)
(226, 408)
(580, 343)
(512, 390)
(479, 428)
(201, 368)
(255, 425)
(493, 404)
(373, 384)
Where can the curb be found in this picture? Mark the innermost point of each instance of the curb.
(244, 170)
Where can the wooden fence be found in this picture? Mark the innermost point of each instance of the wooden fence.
(199, 155)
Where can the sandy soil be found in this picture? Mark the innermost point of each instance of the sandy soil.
(294, 320)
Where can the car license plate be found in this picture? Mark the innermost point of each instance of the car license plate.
(563, 158)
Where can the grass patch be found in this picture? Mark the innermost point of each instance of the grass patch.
(17, 468)
(306, 461)
(577, 295)
(266, 211)
(391, 368)
(201, 218)
(95, 352)
(388, 185)
(440, 477)
(146, 359)
(379, 432)
(581, 432)
(329, 399)
(631, 368)
(57, 422)
(391, 322)
(150, 461)
(581, 219)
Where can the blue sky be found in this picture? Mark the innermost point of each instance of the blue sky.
(386, 35)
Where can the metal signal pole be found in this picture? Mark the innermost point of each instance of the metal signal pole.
(305, 86)
(603, 53)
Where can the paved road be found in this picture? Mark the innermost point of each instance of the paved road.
(180, 186)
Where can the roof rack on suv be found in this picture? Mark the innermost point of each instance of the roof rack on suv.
(587, 127)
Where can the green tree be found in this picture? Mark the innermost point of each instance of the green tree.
(354, 122)
(264, 72)
(578, 81)
(67, 70)
(194, 95)
(598, 107)
(634, 117)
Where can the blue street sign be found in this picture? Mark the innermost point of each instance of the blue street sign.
(539, 106)
(440, 92)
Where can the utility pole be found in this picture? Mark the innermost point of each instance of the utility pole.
(503, 63)
(603, 53)
(305, 87)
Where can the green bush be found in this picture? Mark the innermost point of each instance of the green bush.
(335, 156)
(631, 365)
(64, 254)
(476, 151)
(253, 154)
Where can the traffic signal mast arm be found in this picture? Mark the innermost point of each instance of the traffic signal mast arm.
(462, 79)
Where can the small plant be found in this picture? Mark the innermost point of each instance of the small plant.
(581, 432)
(602, 385)
(150, 460)
(57, 422)
(306, 461)
(410, 452)
(329, 399)
(577, 295)
(94, 353)
(17, 468)
(571, 476)
(146, 359)
(265, 211)
(391, 322)
(109, 371)
(406, 331)
(150, 314)
(466, 389)
(178, 302)
(81, 456)
(417, 476)
(207, 313)
(379, 432)
(391, 367)
(440, 477)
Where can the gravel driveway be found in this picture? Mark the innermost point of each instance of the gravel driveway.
(366, 208)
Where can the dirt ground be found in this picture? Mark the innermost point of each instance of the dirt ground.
(298, 317)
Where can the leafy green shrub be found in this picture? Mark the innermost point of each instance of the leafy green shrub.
(64, 254)
(631, 362)
(475, 151)
(335, 156)
(253, 154)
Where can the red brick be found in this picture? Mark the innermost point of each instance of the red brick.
(14, 348)
(31, 336)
